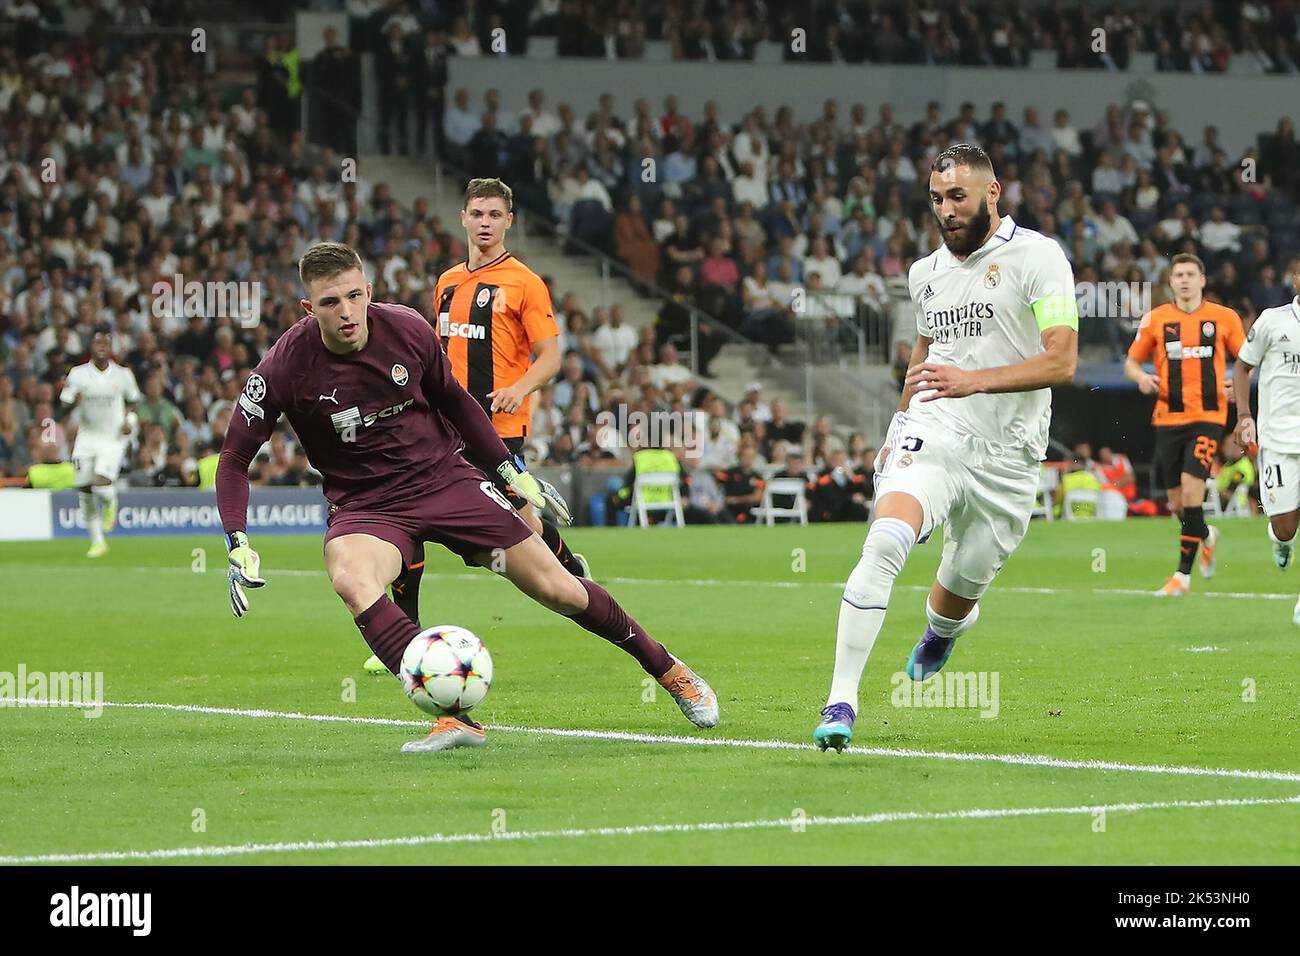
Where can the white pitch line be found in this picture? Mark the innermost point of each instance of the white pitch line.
(1022, 760)
(724, 826)
(716, 583)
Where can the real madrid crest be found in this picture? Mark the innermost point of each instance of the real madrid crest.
(399, 374)
(992, 277)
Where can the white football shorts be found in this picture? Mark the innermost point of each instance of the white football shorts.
(982, 499)
(97, 455)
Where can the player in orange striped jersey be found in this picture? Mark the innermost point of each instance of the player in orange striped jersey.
(1188, 340)
(496, 323)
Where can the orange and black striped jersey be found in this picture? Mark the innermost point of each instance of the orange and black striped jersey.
(1190, 352)
(489, 320)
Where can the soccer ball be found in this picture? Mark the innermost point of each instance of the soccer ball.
(446, 670)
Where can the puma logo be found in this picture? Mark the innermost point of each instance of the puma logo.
(330, 397)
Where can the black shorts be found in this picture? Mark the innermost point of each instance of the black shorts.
(516, 447)
(1185, 450)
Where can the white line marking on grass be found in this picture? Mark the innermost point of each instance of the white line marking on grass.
(725, 826)
(714, 582)
(1024, 760)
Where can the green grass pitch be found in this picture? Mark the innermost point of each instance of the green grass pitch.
(1090, 668)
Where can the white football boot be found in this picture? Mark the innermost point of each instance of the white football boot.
(693, 694)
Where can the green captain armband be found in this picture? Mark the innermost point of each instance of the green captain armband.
(1053, 310)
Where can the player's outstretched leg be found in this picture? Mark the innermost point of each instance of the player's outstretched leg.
(862, 614)
(535, 570)
(360, 567)
(406, 595)
(935, 646)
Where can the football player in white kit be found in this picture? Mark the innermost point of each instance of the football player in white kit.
(997, 325)
(1273, 346)
(104, 395)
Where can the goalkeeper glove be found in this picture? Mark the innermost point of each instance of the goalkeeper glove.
(537, 492)
(243, 572)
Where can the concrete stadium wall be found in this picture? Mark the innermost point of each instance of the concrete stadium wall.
(1241, 106)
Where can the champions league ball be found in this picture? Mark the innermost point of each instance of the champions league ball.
(446, 670)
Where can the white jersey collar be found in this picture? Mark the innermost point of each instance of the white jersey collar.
(1295, 307)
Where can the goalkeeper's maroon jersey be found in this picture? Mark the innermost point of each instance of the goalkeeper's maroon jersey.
(380, 424)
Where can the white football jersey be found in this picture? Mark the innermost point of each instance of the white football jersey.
(980, 314)
(104, 396)
(1273, 346)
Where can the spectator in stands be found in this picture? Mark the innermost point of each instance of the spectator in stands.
(634, 244)
(612, 338)
(669, 371)
(824, 441)
(742, 486)
(460, 124)
(154, 409)
(706, 503)
(839, 492)
(1111, 227)
(1218, 235)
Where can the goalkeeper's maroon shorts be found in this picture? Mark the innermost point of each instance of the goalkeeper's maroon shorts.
(465, 514)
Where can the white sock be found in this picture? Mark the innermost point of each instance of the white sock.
(866, 597)
(950, 626)
(90, 512)
(1274, 538)
(107, 495)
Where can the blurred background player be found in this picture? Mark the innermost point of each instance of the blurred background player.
(1188, 340)
(104, 395)
(997, 326)
(1273, 346)
(371, 398)
(494, 316)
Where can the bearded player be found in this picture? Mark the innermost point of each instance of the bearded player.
(997, 326)
(1273, 346)
(494, 316)
(370, 394)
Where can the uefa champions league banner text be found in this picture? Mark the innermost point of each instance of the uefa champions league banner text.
(161, 511)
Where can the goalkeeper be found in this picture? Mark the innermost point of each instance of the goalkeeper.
(371, 397)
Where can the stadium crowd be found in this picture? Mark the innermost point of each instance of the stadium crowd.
(160, 175)
(160, 181)
(1252, 36)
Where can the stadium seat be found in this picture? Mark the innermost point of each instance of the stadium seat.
(768, 512)
(1086, 497)
(1048, 478)
(641, 508)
